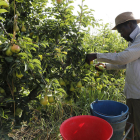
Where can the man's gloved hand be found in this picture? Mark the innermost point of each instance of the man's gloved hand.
(100, 66)
(90, 57)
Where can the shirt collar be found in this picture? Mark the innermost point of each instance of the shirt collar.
(134, 33)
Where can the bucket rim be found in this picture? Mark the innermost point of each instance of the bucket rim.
(106, 116)
(121, 120)
(90, 116)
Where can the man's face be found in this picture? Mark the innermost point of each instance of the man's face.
(125, 30)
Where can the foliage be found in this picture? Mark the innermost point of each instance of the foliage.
(50, 50)
(51, 62)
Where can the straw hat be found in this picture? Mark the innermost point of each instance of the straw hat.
(123, 17)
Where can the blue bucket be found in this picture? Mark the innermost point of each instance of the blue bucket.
(118, 129)
(111, 111)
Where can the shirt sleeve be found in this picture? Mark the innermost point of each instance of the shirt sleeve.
(128, 55)
(115, 67)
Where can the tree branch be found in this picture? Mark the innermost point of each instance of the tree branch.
(4, 30)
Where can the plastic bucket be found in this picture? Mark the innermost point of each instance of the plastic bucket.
(118, 129)
(86, 127)
(111, 111)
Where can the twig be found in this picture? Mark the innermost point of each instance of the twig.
(12, 94)
(15, 24)
(10, 88)
(4, 29)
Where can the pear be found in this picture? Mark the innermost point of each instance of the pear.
(62, 83)
(17, 29)
(23, 29)
(73, 74)
(79, 84)
(72, 88)
(91, 62)
(8, 52)
(101, 67)
(44, 101)
(59, 1)
(50, 99)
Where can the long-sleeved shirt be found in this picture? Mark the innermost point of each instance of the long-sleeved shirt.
(129, 59)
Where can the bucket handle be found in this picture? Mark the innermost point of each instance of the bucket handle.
(96, 101)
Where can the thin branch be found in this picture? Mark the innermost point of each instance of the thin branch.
(4, 29)
(15, 23)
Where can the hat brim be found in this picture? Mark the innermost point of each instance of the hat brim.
(115, 28)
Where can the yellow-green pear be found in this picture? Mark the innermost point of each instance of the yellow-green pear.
(72, 88)
(61, 82)
(79, 84)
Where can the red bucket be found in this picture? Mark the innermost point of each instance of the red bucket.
(86, 127)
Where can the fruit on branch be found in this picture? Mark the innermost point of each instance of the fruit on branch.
(44, 101)
(17, 29)
(15, 49)
(8, 52)
(51, 98)
(73, 74)
(59, 1)
(101, 67)
(61, 82)
(91, 62)
(79, 84)
(23, 29)
(72, 88)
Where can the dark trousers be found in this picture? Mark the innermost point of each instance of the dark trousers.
(134, 116)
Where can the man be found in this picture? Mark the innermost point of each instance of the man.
(127, 26)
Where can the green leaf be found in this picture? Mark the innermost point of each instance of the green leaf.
(31, 66)
(9, 100)
(24, 55)
(9, 59)
(36, 61)
(1, 112)
(32, 48)
(47, 80)
(3, 11)
(38, 66)
(28, 39)
(43, 44)
(4, 3)
(36, 46)
(1, 18)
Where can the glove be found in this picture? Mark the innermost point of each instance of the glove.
(90, 57)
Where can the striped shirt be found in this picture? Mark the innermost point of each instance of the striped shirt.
(129, 59)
